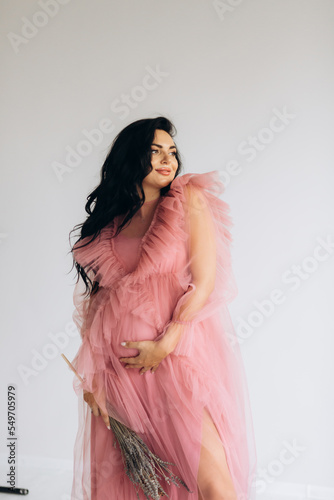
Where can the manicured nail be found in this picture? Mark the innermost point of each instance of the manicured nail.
(108, 427)
(123, 343)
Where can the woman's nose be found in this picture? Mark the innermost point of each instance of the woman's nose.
(165, 157)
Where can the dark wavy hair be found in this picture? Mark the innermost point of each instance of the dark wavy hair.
(126, 165)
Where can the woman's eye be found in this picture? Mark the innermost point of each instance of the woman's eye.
(156, 151)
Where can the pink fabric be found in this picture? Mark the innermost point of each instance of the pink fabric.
(195, 406)
(127, 250)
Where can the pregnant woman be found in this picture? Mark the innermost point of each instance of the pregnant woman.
(158, 351)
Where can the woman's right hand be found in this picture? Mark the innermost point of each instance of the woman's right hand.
(96, 410)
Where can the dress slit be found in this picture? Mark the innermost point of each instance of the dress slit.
(213, 463)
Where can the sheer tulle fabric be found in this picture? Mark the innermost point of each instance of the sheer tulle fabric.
(194, 410)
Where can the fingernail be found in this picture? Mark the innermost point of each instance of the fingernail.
(123, 343)
(108, 427)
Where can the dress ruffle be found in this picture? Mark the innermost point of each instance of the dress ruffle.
(204, 371)
(167, 230)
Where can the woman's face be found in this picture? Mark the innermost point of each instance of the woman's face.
(163, 161)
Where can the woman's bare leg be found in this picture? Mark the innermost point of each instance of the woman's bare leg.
(214, 479)
(199, 495)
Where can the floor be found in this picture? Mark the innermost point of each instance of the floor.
(52, 480)
(43, 483)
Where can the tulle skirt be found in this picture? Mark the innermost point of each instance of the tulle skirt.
(193, 411)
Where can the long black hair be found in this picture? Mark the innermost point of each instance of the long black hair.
(126, 165)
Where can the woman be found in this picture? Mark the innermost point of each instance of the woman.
(159, 352)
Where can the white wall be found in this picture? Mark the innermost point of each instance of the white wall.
(225, 76)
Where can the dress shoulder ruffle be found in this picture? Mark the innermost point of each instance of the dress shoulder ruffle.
(167, 230)
(211, 188)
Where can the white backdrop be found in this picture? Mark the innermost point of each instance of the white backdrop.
(248, 84)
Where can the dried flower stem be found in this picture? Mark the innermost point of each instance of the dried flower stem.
(141, 465)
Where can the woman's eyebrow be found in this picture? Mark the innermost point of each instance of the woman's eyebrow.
(159, 145)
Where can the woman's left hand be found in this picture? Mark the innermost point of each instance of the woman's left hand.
(151, 353)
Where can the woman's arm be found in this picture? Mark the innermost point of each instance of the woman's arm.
(202, 254)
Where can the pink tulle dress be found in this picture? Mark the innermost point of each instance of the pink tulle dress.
(194, 411)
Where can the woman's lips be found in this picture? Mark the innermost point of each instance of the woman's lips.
(163, 171)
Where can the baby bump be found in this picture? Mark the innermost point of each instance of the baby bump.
(131, 331)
